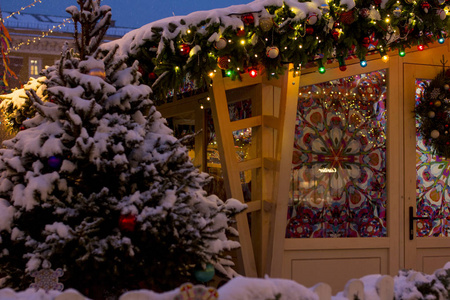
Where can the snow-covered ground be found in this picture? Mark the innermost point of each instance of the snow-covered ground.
(406, 285)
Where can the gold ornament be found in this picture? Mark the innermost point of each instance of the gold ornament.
(434, 134)
(220, 44)
(266, 23)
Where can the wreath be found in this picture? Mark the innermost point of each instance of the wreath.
(433, 109)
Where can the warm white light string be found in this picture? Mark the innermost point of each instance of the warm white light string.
(44, 34)
(22, 9)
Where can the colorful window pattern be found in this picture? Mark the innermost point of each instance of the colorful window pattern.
(432, 185)
(338, 182)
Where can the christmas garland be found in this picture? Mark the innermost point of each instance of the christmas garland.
(266, 36)
(433, 111)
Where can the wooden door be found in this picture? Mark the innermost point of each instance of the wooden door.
(427, 189)
(344, 204)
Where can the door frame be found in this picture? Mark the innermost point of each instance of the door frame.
(423, 254)
(381, 253)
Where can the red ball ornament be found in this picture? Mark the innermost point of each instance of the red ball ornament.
(152, 76)
(377, 2)
(240, 32)
(343, 68)
(309, 30)
(185, 49)
(248, 19)
(347, 17)
(127, 222)
(366, 42)
(223, 62)
(336, 33)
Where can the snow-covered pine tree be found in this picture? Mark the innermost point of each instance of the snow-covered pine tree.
(16, 106)
(97, 185)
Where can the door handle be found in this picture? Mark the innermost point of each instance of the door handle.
(412, 218)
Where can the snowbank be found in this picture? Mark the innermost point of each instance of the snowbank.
(408, 284)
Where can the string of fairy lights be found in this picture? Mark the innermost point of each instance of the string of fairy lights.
(43, 33)
(20, 10)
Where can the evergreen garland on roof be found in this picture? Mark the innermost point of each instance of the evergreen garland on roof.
(268, 34)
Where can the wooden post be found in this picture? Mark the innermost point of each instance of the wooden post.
(231, 169)
(283, 156)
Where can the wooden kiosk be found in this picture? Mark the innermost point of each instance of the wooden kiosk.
(334, 260)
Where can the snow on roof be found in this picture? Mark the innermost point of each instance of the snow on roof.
(131, 41)
(41, 22)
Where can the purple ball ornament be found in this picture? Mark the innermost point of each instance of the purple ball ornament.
(54, 162)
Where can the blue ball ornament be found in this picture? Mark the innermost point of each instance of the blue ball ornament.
(205, 275)
(54, 162)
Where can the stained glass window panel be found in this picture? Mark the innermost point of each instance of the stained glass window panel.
(432, 185)
(338, 179)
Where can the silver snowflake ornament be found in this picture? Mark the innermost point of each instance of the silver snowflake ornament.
(47, 279)
(435, 93)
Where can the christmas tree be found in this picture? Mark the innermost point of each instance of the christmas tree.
(16, 106)
(95, 184)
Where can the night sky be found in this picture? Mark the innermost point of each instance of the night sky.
(126, 13)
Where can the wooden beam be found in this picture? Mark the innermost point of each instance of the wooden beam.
(182, 105)
(246, 123)
(271, 163)
(254, 205)
(285, 142)
(234, 84)
(250, 164)
(271, 121)
(221, 117)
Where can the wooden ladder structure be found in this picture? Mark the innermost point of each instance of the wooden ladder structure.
(269, 100)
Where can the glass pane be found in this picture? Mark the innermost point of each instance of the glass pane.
(432, 185)
(338, 180)
(213, 165)
(240, 110)
(246, 184)
(243, 144)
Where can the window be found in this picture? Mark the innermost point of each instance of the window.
(338, 180)
(35, 67)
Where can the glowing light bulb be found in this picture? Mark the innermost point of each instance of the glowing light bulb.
(420, 47)
(363, 63)
(253, 73)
